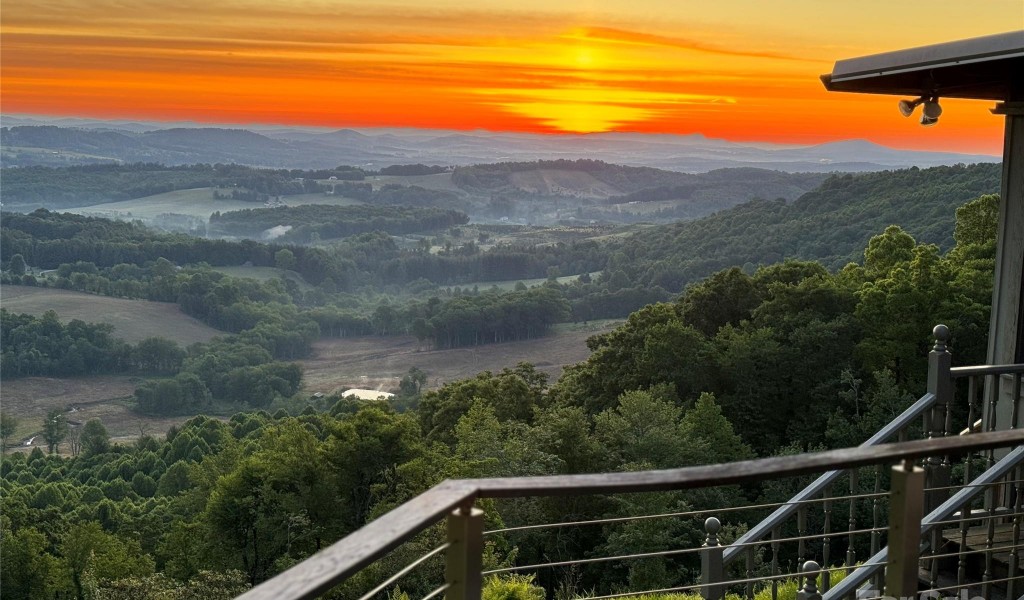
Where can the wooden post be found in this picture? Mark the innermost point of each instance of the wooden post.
(712, 571)
(906, 500)
(464, 558)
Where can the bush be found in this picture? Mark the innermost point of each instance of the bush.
(512, 587)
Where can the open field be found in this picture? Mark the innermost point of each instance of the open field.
(510, 284)
(197, 202)
(28, 399)
(264, 274)
(366, 362)
(380, 362)
(437, 181)
(562, 182)
(133, 320)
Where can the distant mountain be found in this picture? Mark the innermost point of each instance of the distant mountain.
(33, 141)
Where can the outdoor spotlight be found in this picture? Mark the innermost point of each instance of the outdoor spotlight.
(931, 111)
(929, 114)
(907, 106)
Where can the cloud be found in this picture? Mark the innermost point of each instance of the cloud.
(622, 36)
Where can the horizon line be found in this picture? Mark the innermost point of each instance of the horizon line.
(254, 126)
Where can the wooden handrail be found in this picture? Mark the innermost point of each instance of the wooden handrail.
(334, 564)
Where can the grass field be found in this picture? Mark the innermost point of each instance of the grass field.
(197, 202)
(510, 284)
(437, 181)
(105, 398)
(380, 362)
(367, 362)
(264, 274)
(133, 320)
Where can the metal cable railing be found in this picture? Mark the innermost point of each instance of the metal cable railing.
(864, 516)
(404, 571)
(453, 500)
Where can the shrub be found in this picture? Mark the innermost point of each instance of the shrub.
(512, 587)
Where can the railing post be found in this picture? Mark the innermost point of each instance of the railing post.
(940, 384)
(464, 557)
(712, 571)
(809, 591)
(906, 510)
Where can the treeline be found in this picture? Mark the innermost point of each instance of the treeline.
(413, 170)
(830, 224)
(643, 184)
(474, 320)
(496, 176)
(311, 222)
(84, 185)
(47, 240)
(236, 369)
(44, 346)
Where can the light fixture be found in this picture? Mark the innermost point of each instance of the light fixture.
(931, 111)
(929, 114)
(907, 106)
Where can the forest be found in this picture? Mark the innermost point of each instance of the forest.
(315, 222)
(65, 187)
(217, 506)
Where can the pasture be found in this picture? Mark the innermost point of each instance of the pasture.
(437, 181)
(197, 202)
(264, 274)
(380, 362)
(365, 362)
(133, 320)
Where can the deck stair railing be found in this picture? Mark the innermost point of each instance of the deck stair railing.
(949, 523)
(983, 389)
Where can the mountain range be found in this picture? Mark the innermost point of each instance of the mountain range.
(27, 141)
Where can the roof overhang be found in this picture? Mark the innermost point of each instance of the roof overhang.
(985, 68)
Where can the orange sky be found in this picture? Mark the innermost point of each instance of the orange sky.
(733, 69)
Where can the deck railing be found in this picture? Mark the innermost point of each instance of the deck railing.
(964, 498)
(453, 501)
(987, 393)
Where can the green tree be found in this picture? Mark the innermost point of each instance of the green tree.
(644, 429)
(87, 549)
(245, 516)
(94, 438)
(725, 298)
(284, 259)
(29, 571)
(888, 249)
(17, 266)
(55, 429)
(8, 427)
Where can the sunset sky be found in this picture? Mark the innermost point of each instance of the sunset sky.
(735, 69)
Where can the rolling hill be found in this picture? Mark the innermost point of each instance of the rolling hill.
(133, 320)
(28, 141)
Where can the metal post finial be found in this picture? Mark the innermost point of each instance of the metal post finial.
(712, 569)
(941, 335)
(809, 591)
(712, 526)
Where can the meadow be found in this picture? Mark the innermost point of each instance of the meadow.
(196, 202)
(133, 320)
(380, 362)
